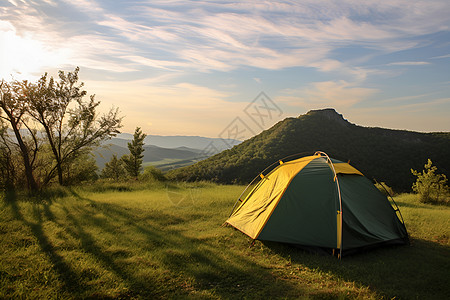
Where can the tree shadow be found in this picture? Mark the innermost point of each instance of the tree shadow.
(69, 278)
(190, 265)
(155, 255)
(430, 206)
(418, 271)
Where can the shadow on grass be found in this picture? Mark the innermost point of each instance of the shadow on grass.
(154, 260)
(155, 256)
(417, 271)
(430, 206)
(69, 279)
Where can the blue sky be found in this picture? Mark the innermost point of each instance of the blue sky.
(193, 67)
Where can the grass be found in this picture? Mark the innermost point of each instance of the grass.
(167, 242)
(171, 163)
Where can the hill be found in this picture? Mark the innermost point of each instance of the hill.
(384, 154)
(164, 152)
(152, 155)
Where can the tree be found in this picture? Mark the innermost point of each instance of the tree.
(133, 161)
(114, 169)
(52, 118)
(14, 107)
(429, 185)
(70, 132)
(7, 168)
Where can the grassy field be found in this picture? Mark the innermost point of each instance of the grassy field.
(167, 242)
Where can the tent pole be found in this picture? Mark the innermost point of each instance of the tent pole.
(396, 208)
(340, 200)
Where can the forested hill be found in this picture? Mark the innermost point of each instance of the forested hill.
(384, 154)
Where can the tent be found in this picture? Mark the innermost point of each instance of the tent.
(320, 203)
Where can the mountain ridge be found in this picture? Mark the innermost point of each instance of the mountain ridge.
(381, 153)
(176, 141)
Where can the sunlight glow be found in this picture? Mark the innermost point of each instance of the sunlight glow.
(22, 57)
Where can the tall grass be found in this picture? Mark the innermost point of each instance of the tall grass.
(166, 241)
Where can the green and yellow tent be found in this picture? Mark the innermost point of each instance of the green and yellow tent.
(320, 203)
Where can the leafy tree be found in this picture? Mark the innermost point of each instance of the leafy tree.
(71, 124)
(53, 126)
(114, 169)
(133, 161)
(13, 111)
(429, 185)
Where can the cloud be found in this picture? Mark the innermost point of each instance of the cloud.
(442, 56)
(157, 41)
(203, 36)
(337, 94)
(408, 63)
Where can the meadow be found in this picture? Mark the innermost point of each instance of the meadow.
(166, 241)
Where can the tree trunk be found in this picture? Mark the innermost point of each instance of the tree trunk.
(31, 181)
(60, 173)
(54, 150)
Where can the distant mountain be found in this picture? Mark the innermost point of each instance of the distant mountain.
(192, 142)
(165, 152)
(384, 154)
(152, 154)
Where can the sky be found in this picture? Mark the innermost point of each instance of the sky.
(231, 69)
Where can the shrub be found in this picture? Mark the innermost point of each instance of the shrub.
(152, 174)
(384, 188)
(430, 186)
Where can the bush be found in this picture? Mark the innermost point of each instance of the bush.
(152, 174)
(384, 188)
(109, 185)
(431, 187)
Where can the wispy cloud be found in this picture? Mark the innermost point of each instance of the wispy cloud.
(442, 56)
(408, 63)
(224, 36)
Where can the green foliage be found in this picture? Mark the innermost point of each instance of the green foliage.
(152, 173)
(114, 169)
(133, 161)
(70, 123)
(430, 186)
(82, 169)
(53, 127)
(384, 188)
(108, 185)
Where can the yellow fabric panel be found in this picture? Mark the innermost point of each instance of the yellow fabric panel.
(345, 168)
(253, 213)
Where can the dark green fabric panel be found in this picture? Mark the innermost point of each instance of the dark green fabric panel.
(306, 213)
(335, 161)
(368, 217)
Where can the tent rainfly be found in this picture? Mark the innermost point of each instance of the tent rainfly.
(319, 203)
